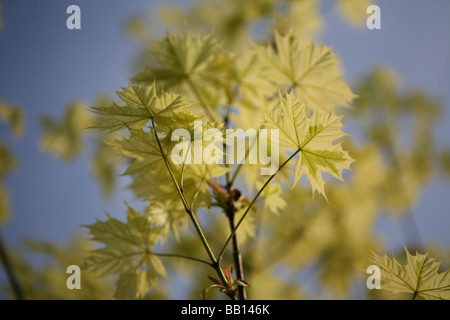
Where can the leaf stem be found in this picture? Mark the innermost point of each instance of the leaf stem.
(190, 212)
(230, 213)
(233, 232)
(182, 257)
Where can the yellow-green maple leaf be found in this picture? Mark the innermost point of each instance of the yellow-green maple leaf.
(134, 283)
(142, 105)
(313, 71)
(419, 276)
(64, 139)
(142, 147)
(312, 138)
(354, 11)
(310, 24)
(126, 252)
(194, 66)
(168, 214)
(183, 57)
(104, 167)
(273, 201)
(13, 115)
(7, 161)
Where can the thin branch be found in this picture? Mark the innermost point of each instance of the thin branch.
(197, 192)
(168, 255)
(190, 212)
(237, 258)
(230, 213)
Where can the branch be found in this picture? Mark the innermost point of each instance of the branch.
(237, 258)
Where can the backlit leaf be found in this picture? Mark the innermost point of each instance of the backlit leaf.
(419, 276)
(312, 137)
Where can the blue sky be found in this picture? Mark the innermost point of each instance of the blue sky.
(44, 66)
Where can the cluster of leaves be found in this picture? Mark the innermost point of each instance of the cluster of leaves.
(235, 87)
(355, 207)
(235, 22)
(295, 88)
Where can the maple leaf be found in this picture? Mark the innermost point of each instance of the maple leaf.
(64, 139)
(141, 106)
(14, 116)
(312, 138)
(142, 147)
(7, 161)
(313, 71)
(354, 11)
(180, 57)
(126, 252)
(194, 66)
(419, 276)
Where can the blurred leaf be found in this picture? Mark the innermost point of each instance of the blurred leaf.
(273, 200)
(14, 116)
(446, 162)
(354, 11)
(41, 268)
(311, 22)
(4, 205)
(64, 139)
(7, 161)
(104, 167)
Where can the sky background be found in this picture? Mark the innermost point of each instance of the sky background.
(44, 66)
